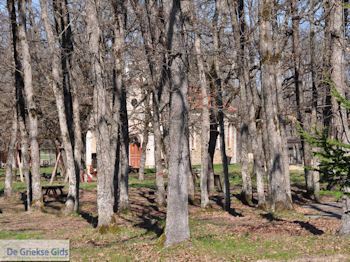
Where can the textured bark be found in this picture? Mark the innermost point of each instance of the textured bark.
(338, 73)
(32, 110)
(72, 203)
(344, 228)
(177, 224)
(188, 7)
(281, 110)
(119, 9)
(315, 175)
(105, 190)
(158, 152)
(238, 24)
(20, 103)
(149, 31)
(279, 199)
(299, 92)
(219, 102)
(11, 156)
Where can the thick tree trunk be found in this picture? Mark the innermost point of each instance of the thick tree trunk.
(177, 224)
(33, 114)
(105, 190)
(279, 198)
(338, 73)
(11, 156)
(72, 203)
(344, 228)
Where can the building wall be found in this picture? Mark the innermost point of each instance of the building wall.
(230, 142)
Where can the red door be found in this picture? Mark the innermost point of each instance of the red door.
(135, 154)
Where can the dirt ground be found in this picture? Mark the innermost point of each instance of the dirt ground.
(243, 234)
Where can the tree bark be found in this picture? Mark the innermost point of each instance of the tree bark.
(219, 103)
(105, 190)
(189, 8)
(299, 92)
(11, 156)
(72, 203)
(278, 193)
(33, 112)
(315, 175)
(338, 73)
(120, 14)
(177, 224)
(344, 228)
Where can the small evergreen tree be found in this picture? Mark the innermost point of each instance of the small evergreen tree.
(334, 162)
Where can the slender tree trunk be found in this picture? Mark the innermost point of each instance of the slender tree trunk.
(278, 193)
(158, 152)
(11, 156)
(33, 114)
(219, 102)
(144, 147)
(189, 9)
(105, 192)
(299, 92)
(119, 9)
(238, 25)
(72, 203)
(177, 224)
(315, 175)
(213, 135)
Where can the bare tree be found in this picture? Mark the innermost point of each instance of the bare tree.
(105, 190)
(177, 224)
(279, 199)
(72, 203)
(32, 109)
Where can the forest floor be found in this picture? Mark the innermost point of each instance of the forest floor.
(243, 234)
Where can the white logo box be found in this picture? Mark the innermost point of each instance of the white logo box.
(34, 250)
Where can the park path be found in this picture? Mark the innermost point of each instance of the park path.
(328, 209)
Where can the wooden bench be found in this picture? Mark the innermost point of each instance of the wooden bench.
(53, 191)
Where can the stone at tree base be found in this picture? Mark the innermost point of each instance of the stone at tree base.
(344, 228)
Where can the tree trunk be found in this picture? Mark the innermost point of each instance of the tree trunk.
(338, 73)
(213, 135)
(177, 224)
(105, 192)
(344, 228)
(158, 152)
(315, 175)
(144, 148)
(238, 25)
(11, 156)
(72, 203)
(119, 9)
(219, 102)
(278, 193)
(299, 92)
(33, 114)
(188, 6)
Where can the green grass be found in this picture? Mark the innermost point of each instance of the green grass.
(20, 235)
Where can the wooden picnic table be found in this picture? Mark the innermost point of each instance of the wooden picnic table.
(53, 190)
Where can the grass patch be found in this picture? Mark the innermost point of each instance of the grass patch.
(20, 235)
